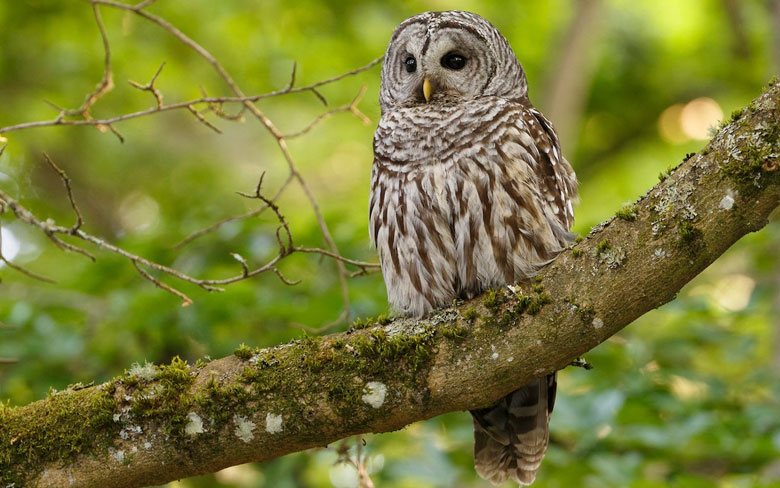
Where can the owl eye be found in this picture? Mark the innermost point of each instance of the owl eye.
(453, 61)
(411, 64)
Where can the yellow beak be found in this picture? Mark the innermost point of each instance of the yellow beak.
(427, 90)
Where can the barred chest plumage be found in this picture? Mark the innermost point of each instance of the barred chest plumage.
(465, 197)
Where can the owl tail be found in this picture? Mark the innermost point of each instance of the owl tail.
(510, 438)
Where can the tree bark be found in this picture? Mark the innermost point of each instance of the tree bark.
(155, 424)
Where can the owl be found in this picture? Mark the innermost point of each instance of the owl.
(469, 191)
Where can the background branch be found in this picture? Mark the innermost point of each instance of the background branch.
(199, 108)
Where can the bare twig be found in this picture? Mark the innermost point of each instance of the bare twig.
(364, 267)
(242, 261)
(185, 300)
(48, 227)
(284, 237)
(219, 110)
(144, 4)
(284, 279)
(351, 107)
(203, 120)
(106, 83)
(69, 190)
(25, 271)
(158, 97)
(246, 215)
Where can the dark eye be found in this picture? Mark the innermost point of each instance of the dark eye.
(411, 64)
(453, 61)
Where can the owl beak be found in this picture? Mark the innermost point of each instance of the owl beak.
(427, 90)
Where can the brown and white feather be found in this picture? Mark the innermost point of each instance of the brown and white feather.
(468, 192)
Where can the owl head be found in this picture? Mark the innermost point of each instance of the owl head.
(448, 57)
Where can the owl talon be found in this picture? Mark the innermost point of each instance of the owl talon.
(581, 363)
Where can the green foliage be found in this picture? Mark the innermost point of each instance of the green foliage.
(686, 397)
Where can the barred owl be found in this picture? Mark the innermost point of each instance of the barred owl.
(468, 191)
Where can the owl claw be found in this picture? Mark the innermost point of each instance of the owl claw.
(581, 363)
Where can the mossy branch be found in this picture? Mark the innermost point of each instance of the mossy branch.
(154, 424)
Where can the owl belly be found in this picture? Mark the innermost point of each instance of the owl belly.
(497, 239)
(447, 231)
(413, 235)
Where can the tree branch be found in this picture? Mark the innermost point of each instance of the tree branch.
(154, 424)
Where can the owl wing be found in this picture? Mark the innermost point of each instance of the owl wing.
(511, 436)
(558, 182)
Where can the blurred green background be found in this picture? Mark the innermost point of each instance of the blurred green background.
(687, 396)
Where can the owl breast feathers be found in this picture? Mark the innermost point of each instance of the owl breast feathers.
(465, 197)
(468, 191)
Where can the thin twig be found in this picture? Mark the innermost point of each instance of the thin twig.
(351, 107)
(69, 190)
(48, 227)
(360, 264)
(203, 120)
(284, 279)
(244, 216)
(358, 461)
(53, 231)
(143, 5)
(26, 272)
(242, 261)
(158, 97)
(106, 83)
(185, 300)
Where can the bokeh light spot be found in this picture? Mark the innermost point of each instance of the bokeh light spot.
(681, 123)
(139, 212)
(11, 245)
(669, 125)
(698, 116)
